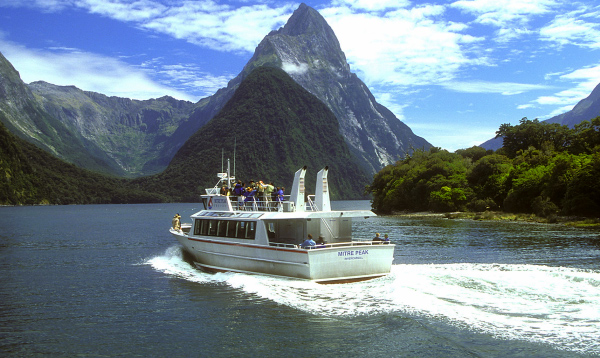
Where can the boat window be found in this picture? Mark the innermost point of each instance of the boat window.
(250, 230)
(197, 225)
(228, 228)
(222, 228)
(231, 228)
(271, 230)
(241, 229)
(212, 227)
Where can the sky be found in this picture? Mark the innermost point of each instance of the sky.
(453, 71)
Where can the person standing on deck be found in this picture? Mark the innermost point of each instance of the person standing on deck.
(267, 193)
(176, 222)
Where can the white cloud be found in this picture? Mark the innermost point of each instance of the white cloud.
(505, 13)
(410, 46)
(511, 17)
(578, 28)
(292, 68)
(372, 5)
(205, 23)
(90, 72)
(44, 5)
(504, 88)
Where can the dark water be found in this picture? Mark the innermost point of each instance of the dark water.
(108, 280)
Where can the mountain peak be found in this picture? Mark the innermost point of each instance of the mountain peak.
(306, 20)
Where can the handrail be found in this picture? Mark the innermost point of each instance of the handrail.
(238, 203)
(333, 245)
(311, 204)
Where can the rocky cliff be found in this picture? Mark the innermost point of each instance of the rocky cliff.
(136, 136)
(112, 135)
(24, 116)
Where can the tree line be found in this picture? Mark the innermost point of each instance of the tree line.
(545, 169)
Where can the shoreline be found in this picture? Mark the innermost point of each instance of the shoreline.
(574, 221)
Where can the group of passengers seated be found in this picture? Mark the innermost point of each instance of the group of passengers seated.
(255, 193)
(379, 240)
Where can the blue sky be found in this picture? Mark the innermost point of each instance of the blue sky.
(453, 71)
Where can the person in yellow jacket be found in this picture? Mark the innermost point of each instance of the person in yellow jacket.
(177, 222)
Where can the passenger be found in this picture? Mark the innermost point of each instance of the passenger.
(320, 242)
(269, 188)
(386, 239)
(249, 195)
(238, 190)
(225, 190)
(377, 238)
(260, 193)
(280, 194)
(308, 242)
(274, 192)
(176, 222)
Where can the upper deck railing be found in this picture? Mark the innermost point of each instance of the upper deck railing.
(240, 203)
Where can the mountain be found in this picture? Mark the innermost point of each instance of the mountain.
(30, 175)
(23, 115)
(132, 138)
(308, 50)
(112, 135)
(274, 127)
(587, 109)
(135, 136)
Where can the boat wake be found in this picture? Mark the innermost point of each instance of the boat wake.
(553, 305)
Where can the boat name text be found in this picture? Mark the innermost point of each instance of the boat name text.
(353, 253)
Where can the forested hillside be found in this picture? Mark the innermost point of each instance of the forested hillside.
(30, 175)
(546, 169)
(274, 127)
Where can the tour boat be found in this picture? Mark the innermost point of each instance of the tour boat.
(266, 237)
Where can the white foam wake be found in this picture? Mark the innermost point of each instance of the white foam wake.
(554, 305)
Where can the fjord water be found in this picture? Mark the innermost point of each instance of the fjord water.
(108, 280)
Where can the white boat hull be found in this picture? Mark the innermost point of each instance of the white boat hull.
(331, 264)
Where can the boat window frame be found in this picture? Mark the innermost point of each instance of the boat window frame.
(233, 229)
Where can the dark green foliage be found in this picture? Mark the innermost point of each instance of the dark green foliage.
(533, 134)
(432, 180)
(275, 127)
(542, 169)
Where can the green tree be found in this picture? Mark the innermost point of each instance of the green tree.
(586, 138)
(488, 179)
(532, 133)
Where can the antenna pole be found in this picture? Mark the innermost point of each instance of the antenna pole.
(234, 146)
